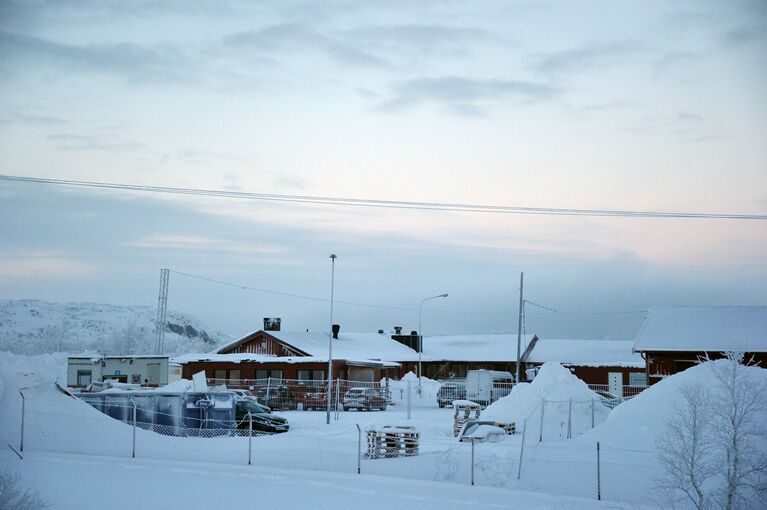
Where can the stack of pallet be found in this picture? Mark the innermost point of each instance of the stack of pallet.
(392, 441)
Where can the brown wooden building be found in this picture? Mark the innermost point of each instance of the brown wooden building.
(673, 339)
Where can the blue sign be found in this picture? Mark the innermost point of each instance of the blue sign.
(117, 372)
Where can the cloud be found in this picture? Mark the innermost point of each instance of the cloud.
(298, 38)
(41, 266)
(162, 63)
(601, 54)
(672, 60)
(70, 142)
(741, 36)
(463, 96)
(32, 119)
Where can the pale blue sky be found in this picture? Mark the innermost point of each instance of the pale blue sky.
(651, 105)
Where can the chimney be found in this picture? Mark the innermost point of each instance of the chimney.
(272, 323)
(414, 333)
(397, 330)
(336, 329)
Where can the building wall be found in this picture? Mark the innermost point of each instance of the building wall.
(247, 369)
(663, 364)
(450, 369)
(144, 371)
(262, 343)
(599, 375)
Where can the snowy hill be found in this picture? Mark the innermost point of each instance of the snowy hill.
(34, 327)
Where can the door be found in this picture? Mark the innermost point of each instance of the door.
(153, 373)
(615, 383)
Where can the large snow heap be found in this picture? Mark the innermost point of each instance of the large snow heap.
(639, 422)
(554, 383)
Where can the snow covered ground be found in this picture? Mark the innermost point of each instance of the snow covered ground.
(316, 464)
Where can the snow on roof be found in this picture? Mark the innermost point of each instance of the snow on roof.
(502, 348)
(591, 353)
(704, 328)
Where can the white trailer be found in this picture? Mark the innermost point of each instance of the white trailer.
(486, 386)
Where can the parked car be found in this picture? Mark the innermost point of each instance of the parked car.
(449, 392)
(364, 399)
(277, 397)
(317, 400)
(244, 395)
(262, 418)
(608, 399)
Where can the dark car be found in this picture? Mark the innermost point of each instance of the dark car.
(277, 397)
(364, 399)
(449, 392)
(261, 416)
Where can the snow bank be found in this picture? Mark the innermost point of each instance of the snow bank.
(639, 422)
(554, 383)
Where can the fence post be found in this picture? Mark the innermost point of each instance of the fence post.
(543, 406)
(522, 449)
(359, 448)
(338, 395)
(570, 419)
(592, 413)
(133, 403)
(23, 408)
(409, 391)
(250, 435)
(472, 460)
(268, 391)
(599, 475)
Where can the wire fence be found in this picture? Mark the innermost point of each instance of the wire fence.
(312, 394)
(548, 462)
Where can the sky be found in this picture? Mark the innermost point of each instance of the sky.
(618, 105)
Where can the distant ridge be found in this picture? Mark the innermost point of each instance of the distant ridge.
(32, 326)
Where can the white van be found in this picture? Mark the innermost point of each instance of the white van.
(486, 386)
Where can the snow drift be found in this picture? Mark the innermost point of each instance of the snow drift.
(554, 384)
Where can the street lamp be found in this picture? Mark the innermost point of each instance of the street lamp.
(330, 337)
(420, 336)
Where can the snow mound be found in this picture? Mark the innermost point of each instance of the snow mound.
(554, 383)
(639, 422)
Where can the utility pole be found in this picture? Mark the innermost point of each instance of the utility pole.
(519, 325)
(162, 308)
(330, 339)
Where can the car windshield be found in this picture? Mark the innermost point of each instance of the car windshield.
(252, 407)
(356, 391)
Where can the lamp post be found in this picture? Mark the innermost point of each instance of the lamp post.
(330, 337)
(420, 336)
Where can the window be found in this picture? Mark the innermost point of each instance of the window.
(318, 375)
(83, 377)
(637, 379)
(263, 373)
(232, 374)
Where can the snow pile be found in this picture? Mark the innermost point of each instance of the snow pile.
(555, 384)
(639, 422)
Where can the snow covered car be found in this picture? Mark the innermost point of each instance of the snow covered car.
(262, 417)
(364, 399)
(449, 392)
(608, 399)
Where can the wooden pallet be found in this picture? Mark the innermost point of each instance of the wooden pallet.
(389, 442)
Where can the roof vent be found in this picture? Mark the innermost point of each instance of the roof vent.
(397, 330)
(380, 332)
(336, 329)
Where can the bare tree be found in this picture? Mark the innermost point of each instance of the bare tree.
(738, 411)
(13, 498)
(684, 450)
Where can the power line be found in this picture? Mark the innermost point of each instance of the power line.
(326, 300)
(387, 204)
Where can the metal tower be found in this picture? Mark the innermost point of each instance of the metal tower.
(162, 307)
